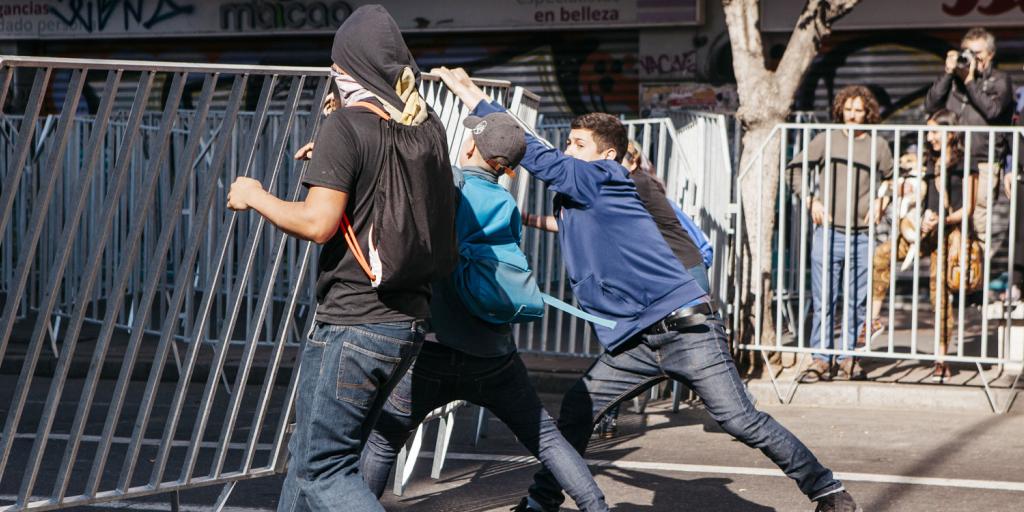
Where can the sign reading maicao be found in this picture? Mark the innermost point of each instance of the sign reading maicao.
(72, 19)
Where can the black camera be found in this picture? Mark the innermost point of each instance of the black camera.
(963, 61)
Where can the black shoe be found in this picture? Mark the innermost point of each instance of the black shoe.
(607, 428)
(836, 502)
(523, 506)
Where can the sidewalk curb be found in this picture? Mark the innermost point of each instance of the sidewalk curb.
(555, 374)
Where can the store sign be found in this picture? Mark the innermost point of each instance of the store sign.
(183, 18)
(906, 14)
(659, 100)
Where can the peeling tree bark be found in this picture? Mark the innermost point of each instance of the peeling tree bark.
(766, 97)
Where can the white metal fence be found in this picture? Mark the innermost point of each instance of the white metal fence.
(982, 322)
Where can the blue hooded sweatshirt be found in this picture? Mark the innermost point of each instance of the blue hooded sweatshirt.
(619, 265)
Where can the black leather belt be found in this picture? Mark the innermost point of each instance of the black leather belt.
(681, 319)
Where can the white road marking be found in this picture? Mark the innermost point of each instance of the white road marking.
(998, 485)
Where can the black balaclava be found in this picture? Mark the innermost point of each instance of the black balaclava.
(370, 48)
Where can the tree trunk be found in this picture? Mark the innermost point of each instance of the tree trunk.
(765, 100)
(759, 189)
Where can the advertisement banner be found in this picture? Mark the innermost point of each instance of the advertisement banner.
(906, 14)
(659, 100)
(74, 19)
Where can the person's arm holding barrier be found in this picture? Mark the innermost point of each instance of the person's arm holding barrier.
(315, 218)
(576, 179)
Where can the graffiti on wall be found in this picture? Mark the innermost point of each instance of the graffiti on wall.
(96, 15)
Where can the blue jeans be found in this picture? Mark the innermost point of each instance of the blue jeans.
(699, 358)
(441, 375)
(855, 300)
(345, 375)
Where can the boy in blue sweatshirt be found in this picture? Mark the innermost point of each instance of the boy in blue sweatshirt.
(466, 357)
(664, 324)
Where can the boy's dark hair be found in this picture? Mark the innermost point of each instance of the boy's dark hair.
(608, 132)
(498, 165)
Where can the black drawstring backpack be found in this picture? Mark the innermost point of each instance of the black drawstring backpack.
(411, 238)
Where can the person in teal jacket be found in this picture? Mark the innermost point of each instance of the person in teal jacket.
(465, 356)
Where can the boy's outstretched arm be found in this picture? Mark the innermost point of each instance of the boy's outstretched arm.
(458, 81)
(566, 175)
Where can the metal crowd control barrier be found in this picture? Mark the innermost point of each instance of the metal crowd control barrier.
(701, 179)
(116, 248)
(990, 334)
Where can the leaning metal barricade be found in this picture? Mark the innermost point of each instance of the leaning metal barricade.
(980, 335)
(112, 220)
(700, 177)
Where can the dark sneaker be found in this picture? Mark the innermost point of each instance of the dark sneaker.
(608, 427)
(523, 506)
(838, 502)
(850, 370)
(818, 370)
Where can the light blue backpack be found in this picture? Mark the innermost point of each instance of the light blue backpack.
(492, 276)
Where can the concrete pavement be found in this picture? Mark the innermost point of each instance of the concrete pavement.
(891, 460)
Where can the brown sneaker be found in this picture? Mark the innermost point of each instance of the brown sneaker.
(850, 370)
(818, 370)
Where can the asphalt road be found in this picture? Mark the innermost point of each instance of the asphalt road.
(891, 460)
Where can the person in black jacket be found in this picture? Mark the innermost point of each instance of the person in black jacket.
(973, 88)
(980, 95)
(363, 339)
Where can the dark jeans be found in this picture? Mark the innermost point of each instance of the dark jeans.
(699, 358)
(441, 375)
(346, 374)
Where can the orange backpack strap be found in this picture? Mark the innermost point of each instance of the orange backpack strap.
(372, 108)
(346, 225)
(353, 245)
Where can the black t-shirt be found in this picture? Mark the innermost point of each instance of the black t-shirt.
(347, 157)
(954, 185)
(652, 193)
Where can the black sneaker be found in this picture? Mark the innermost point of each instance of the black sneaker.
(608, 427)
(523, 506)
(836, 502)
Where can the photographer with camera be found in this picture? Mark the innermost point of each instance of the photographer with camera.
(980, 95)
(972, 87)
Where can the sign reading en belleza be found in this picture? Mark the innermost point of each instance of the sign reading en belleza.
(39, 19)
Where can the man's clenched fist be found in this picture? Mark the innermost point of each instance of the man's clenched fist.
(242, 192)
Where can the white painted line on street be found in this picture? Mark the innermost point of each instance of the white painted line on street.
(997, 485)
